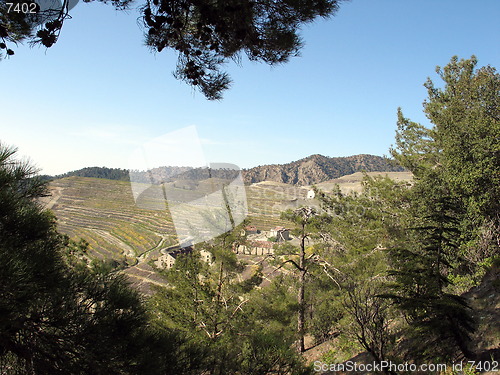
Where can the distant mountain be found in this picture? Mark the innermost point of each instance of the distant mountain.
(311, 170)
(99, 172)
(318, 168)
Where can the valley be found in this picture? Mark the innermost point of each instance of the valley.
(103, 213)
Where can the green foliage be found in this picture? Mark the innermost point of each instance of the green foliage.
(275, 307)
(340, 242)
(307, 221)
(466, 114)
(453, 204)
(224, 324)
(415, 148)
(249, 284)
(462, 148)
(326, 313)
(53, 309)
(345, 349)
(99, 172)
(460, 153)
(422, 273)
(467, 117)
(371, 318)
(205, 34)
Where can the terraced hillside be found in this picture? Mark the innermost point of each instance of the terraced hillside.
(267, 199)
(104, 213)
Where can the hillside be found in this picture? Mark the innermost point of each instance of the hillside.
(353, 182)
(103, 213)
(97, 172)
(484, 299)
(318, 168)
(311, 170)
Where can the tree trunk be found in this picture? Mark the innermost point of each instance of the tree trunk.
(300, 298)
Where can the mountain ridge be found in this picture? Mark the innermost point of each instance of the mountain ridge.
(310, 170)
(318, 168)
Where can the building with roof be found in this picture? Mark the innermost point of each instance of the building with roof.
(250, 229)
(168, 256)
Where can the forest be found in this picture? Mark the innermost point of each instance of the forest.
(387, 272)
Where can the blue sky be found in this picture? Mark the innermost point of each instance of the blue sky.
(99, 92)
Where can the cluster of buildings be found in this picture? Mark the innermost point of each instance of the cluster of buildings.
(258, 242)
(261, 242)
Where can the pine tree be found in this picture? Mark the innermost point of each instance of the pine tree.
(440, 319)
(218, 317)
(462, 146)
(205, 34)
(57, 316)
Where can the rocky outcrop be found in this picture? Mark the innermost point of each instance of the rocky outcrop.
(318, 168)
